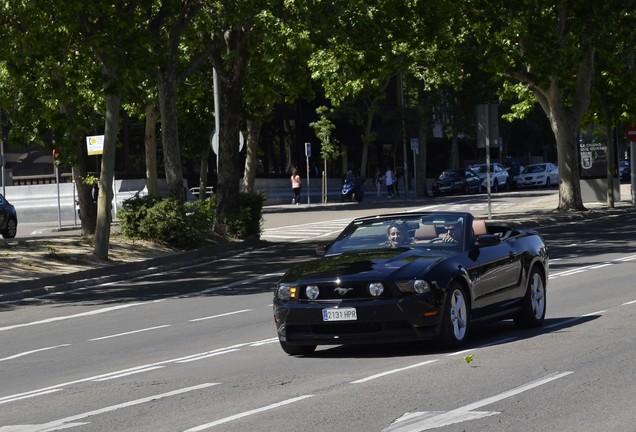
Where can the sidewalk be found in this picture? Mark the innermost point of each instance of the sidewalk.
(58, 260)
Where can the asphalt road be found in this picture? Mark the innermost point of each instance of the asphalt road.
(195, 349)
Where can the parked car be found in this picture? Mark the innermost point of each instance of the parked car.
(542, 174)
(624, 170)
(457, 181)
(513, 171)
(370, 288)
(499, 178)
(8, 219)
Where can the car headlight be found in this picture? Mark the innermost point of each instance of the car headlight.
(416, 286)
(286, 292)
(312, 292)
(376, 289)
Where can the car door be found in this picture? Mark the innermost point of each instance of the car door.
(495, 271)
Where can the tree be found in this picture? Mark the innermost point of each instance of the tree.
(550, 47)
(324, 128)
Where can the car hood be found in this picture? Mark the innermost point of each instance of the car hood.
(379, 264)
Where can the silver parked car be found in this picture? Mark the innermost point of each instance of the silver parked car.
(542, 174)
(499, 178)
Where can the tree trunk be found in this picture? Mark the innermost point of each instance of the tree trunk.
(422, 133)
(105, 198)
(150, 141)
(565, 115)
(87, 208)
(167, 85)
(253, 134)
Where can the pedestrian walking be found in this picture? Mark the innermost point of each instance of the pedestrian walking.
(388, 181)
(296, 186)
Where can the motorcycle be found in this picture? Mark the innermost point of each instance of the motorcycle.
(353, 189)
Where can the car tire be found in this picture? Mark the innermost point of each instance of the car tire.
(495, 186)
(532, 313)
(297, 349)
(11, 230)
(547, 183)
(455, 319)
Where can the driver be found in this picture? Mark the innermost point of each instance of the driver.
(451, 232)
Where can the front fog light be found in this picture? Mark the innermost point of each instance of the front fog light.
(376, 289)
(312, 292)
(421, 286)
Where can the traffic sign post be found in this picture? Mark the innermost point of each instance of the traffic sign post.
(307, 154)
(415, 146)
(631, 137)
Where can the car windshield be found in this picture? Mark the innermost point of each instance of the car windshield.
(530, 169)
(431, 231)
(449, 175)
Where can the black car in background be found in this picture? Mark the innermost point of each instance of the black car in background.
(463, 181)
(8, 219)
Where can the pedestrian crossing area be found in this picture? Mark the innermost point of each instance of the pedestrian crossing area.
(315, 231)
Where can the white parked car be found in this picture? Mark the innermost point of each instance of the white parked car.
(499, 178)
(542, 174)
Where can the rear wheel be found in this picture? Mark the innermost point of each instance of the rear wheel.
(532, 313)
(495, 186)
(297, 349)
(456, 319)
(547, 182)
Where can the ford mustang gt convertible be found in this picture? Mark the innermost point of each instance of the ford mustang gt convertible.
(412, 277)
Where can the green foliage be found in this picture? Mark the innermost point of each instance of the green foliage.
(186, 225)
(324, 128)
(249, 220)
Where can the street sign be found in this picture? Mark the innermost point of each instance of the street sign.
(631, 133)
(415, 144)
(214, 142)
(307, 149)
(95, 145)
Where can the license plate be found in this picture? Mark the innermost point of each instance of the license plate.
(339, 314)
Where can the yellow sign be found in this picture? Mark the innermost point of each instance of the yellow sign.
(95, 144)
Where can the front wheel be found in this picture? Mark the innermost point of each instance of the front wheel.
(12, 229)
(532, 313)
(297, 349)
(456, 319)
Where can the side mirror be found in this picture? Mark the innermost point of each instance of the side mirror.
(321, 249)
(487, 240)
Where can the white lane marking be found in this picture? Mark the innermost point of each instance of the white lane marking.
(415, 422)
(247, 413)
(201, 357)
(129, 333)
(629, 303)
(33, 352)
(129, 373)
(576, 270)
(67, 317)
(69, 422)
(372, 377)
(220, 315)
(600, 312)
(146, 367)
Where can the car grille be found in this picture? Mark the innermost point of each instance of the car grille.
(350, 291)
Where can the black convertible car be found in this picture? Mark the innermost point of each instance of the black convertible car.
(409, 277)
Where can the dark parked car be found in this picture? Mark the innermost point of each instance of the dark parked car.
(8, 219)
(624, 169)
(445, 272)
(457, 181)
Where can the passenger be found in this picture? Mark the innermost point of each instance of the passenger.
(397, 235)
